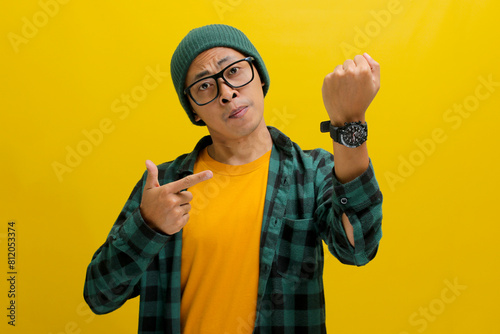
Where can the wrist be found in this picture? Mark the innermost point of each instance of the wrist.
(340, 121)
(350, 134)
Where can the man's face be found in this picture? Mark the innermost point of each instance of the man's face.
(236, 112)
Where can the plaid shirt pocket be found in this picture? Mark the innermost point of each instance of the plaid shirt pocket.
(298, 256)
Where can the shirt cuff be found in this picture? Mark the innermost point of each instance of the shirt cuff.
(360, 199)
(137, 239)
(356, 194)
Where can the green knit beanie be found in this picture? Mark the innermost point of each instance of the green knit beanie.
(202, 39)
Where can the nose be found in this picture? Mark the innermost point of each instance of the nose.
(226, 92)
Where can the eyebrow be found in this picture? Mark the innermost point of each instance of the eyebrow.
(219, 63)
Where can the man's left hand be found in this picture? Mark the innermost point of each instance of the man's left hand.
(350, 88)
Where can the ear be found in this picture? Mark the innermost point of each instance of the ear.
(196, 117)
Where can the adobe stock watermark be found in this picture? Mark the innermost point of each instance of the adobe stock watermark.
(85, 316)
(372, 29)
(280, 118)
(31, 27)
(121, 107)
(429, 313)
(454, 118)
(223, 6)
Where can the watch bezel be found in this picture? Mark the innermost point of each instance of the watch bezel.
(361, 128)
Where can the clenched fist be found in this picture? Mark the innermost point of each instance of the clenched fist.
(350, 88)
(166, 208)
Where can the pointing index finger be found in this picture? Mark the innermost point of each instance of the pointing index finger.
(189, 181)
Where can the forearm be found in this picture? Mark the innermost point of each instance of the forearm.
(106, 285)
(116, 268)
(349, 164)
(347, 93)
(356, 218)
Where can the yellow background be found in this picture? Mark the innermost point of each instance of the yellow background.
(441, 225)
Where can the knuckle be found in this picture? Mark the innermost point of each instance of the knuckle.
(177, 226)
(174, 225)
(171, 201)
(187, 195)
(365, 70)
(337, 70)
(162, 193)
(191, 180)
(180, 223)
(332, 77)
(176, 211)
(350, 71)
(173, 230)
(186, 182)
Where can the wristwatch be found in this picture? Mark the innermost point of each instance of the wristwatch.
(351, 135)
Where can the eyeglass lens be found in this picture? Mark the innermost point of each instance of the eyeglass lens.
(237, 75)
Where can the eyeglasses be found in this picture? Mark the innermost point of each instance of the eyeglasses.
(236, 75)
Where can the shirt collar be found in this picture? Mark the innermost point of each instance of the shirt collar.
(280, 140)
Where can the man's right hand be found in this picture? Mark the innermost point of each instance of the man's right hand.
(166, 208)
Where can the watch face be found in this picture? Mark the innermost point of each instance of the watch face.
(354, 135)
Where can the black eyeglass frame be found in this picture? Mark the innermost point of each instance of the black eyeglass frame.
(218, 75)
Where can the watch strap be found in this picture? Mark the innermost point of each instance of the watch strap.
(327, 126)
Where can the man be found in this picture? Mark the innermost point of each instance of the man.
(241, 250)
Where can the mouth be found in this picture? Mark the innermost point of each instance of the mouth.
(238, 112)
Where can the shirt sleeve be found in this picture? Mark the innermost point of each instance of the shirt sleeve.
(114, 273)
(361, 200)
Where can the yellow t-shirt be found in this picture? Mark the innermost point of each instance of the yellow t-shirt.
(220, 247)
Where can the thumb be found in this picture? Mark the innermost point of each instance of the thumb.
(152, 178)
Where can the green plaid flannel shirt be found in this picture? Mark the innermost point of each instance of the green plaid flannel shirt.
(303, 206)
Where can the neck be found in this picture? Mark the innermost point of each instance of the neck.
(241, 150)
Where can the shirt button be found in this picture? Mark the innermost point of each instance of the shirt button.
(343, 200)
